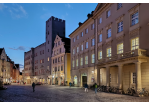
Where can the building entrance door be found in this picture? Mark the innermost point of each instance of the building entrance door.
(84, 80)
(28, 81)
(56, 81)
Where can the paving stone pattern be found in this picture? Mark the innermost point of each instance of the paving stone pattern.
(47, 93)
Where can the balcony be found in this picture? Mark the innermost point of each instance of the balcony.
(133, 53)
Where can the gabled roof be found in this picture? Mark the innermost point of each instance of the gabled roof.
(67, 43)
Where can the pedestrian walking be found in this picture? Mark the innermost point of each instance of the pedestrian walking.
(95, 88)
(70, 84)
(86, 87)
(33, 85)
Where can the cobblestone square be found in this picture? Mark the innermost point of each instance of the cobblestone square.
(47, 93)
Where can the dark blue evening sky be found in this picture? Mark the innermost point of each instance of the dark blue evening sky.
(22, 25)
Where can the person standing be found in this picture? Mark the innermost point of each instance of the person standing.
(86, 87)
(95, 88)
(33, 85)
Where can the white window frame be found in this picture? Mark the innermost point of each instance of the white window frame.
(93, 42)
(86, 60)
(120, 27)
(82, 47)
(77, 37)
(100, 20)
(135, 18)
(86, 30)
(73, 39)
(92, 26)
(135, 43)
(109, 33)
(77, 49)
(120, 48)
(100, 38)
(76, 62)
(109, 52)
(73, 51)
(108, 13)
(99, 54)
(93, 58)
(81, 34)
(86, 45)
(134, 78)
(119, 5)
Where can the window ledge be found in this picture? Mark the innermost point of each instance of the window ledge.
(134, 27)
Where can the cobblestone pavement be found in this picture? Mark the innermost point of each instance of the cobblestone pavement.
(47, 93)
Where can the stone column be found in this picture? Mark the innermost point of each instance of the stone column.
(98, 75)
(120, 77)
(108, 76)
(138, 75)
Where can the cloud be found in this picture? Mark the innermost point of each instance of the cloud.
(20, 48)
(68, 5)
(21, 66)
(2, 6)
(46, 15)
(17, 11)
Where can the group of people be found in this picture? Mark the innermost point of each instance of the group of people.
(86, 87)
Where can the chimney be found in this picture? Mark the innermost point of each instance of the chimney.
(80, 24)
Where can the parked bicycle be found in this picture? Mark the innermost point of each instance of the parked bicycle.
(131, 91)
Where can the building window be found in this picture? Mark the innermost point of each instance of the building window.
(81, 61)
(86, 31)
(93, 58)
(62, 58)
(76, 62)
(55, 69)
(134, 77)
(54, 52)
(77, 37)
(59, 59)
(120, 27)
(109, 33)
(86, 45)
(60, 50)
(82, 47)
(92, 26)
(100, 20)
(61, 68)
(47, 67)
(57, 51)
(108, 13)
(86, 59)
(100, 38)
(81, 34)
(73, 63)
(58, 42)
(134, 43)
(48, 58)
(120, 48)
(73, 39)
(134, 18)
(100, 55)
(73, 51)
(53, 61)
(108, 52)
(77, 49)
(58, 68)
(93, 42)
(119, 5)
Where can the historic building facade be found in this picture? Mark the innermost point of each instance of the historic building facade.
(61, 61)
(112, 45)
(7, 68)
(37, 61)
